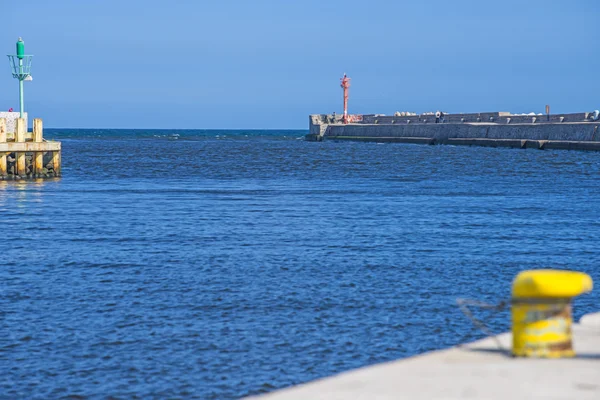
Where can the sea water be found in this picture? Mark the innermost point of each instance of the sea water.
(219, 264)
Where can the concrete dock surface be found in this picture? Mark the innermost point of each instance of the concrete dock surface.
(479, 370)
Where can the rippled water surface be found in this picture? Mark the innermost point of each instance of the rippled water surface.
(218, 264)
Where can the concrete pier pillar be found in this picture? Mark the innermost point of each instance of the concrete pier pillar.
(38, 138)
(20, 138)
(3, 167)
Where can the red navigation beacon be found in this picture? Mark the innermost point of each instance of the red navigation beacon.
(345, 84)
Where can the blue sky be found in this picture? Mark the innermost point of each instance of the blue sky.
(270, 63)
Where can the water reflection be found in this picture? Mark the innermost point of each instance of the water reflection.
(23, 191)
(3, 188)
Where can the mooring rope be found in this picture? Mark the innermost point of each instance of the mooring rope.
(464, 304)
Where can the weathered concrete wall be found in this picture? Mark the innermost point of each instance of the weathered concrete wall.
(442, 132)
(11, 118)
(495, 117)
(577, 131)
(317, 123)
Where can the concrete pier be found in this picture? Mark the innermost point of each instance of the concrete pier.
(27, 155)
(565, 131)
(479, 370)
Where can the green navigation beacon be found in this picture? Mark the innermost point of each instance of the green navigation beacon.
(21, 70)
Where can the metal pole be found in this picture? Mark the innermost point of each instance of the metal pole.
(21, 101)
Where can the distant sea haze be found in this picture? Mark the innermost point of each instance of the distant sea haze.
(219, 264)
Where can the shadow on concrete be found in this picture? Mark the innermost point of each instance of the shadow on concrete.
(491, 350)
(588, 356)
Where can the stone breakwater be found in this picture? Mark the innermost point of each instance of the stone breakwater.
(577, 131)
(47, 171)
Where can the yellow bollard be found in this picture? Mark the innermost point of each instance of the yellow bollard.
(541, 312)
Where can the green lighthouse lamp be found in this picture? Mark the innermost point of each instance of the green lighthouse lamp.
(21, 69)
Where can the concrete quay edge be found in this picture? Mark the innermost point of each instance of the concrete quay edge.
(478, 370)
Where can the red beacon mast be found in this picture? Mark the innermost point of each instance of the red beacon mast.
(345, 84)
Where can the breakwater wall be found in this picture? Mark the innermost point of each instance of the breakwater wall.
(578, 131)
